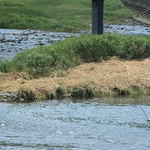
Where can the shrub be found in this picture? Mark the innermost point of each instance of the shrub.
(42, 61)
(135, 48)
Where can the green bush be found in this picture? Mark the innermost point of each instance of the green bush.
(5, 66)
(135, 48)
(94, 48)
(41, 61)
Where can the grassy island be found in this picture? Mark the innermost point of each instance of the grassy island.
(78, 67)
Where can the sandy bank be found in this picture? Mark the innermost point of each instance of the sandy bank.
(113, 77)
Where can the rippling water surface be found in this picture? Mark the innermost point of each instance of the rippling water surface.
(95, 124)
(15, 41)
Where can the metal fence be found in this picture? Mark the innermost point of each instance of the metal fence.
(141, 9)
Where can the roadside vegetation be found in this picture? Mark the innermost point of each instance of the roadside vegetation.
(57, 15)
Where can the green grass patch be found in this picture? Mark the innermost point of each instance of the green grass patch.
(57, 15)
(45, 60)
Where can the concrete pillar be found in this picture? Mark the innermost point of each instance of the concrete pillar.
(97, 16)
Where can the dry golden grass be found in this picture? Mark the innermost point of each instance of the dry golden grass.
(104, 77)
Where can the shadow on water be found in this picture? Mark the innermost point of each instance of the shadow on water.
(35, 146)
(127, 100)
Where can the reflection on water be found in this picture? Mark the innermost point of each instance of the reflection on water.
(117, 124)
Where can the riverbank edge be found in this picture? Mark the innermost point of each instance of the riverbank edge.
(28, 96)
(111, 78)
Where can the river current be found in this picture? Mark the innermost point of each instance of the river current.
(15, 41)
(98, 124)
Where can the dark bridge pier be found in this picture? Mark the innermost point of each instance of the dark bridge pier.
(97, 16)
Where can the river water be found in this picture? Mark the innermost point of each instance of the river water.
(98, 124)
(15, 41)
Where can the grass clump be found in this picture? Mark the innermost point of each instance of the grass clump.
(60, 92)
(26, 96)
(41, 61)
(56, 15)
(135, 48)
(121, 92)
(77, 93)
(44, 60)
(83, 93)
(49, 95)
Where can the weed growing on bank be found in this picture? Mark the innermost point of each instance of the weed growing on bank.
(46, 60)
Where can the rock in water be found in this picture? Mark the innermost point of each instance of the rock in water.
(8, 96)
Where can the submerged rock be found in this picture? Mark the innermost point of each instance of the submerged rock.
(20, 96)
(8, 96)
